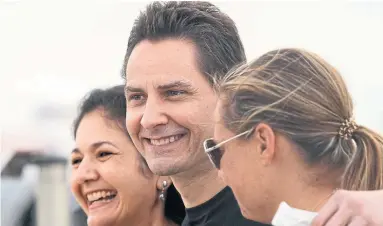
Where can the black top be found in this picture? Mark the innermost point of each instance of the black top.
(221, 210)
(174, 207)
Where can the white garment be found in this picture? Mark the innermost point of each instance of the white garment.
(289, 216)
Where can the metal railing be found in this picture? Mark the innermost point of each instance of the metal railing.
(52, 202)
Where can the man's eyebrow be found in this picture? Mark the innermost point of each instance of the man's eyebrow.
(175, 84)
(132, 89)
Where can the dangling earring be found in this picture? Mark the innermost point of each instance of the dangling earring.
(162, 194)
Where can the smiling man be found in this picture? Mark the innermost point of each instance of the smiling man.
(175, 52)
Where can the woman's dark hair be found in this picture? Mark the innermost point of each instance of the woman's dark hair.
(112, 102)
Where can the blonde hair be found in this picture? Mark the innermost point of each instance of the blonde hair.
(304, 98)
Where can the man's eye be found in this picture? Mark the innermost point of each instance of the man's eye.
(175, 92)
(136, 97)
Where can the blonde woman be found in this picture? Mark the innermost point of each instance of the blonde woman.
(285, 133)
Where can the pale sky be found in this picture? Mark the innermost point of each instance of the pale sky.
(53, 52)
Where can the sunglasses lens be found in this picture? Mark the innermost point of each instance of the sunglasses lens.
(215, 154)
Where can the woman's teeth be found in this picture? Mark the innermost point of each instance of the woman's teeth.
(101, 196)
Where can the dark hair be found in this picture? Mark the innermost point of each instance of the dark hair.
(213, 32)
(112, 102)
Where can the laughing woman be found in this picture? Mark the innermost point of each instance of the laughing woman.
(110, 180)
(285, 133)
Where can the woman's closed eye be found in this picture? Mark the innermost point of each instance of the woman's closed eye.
(76, 161)
(104, 154)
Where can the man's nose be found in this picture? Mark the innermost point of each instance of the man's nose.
(86, 172)
(153, 114)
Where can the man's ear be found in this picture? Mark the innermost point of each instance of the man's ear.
(163, 182)
(264, 142)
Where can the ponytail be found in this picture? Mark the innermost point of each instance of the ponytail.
(365, 169)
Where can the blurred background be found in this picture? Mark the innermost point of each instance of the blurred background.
(53, 52)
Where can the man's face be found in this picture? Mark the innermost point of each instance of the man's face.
(170, 105)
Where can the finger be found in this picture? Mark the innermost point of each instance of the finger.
(325, 213)
(357, 221)
(340, 218)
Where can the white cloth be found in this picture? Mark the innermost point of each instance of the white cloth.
(289, 216)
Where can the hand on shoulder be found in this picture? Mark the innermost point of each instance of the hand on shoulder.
(352, 208)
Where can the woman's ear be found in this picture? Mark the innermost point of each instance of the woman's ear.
(163, 182)
(264, 142)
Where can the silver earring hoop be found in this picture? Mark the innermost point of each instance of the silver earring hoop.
(162, 194)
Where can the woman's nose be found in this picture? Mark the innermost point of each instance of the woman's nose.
(86, 172)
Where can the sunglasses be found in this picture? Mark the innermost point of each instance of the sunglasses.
(212, 149)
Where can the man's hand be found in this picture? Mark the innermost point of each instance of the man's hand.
(352, 208)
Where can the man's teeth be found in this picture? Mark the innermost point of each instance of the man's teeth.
(100, 195)
(164, 141)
